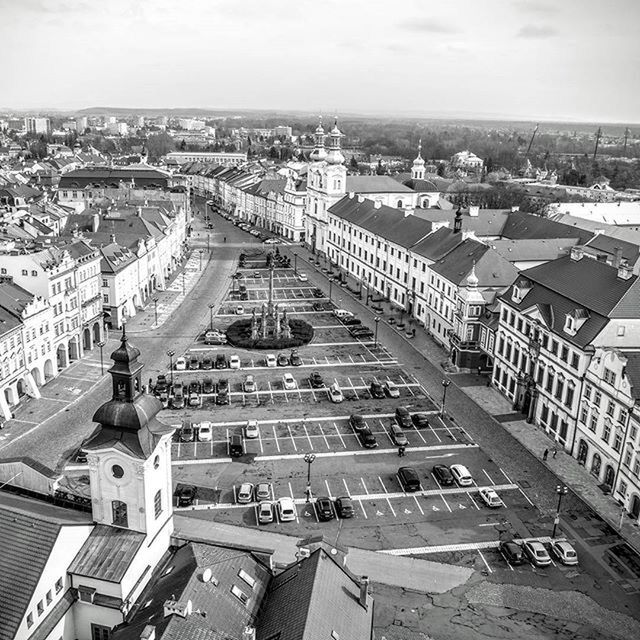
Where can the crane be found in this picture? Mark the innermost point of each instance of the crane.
(598, 135)
(526, 155)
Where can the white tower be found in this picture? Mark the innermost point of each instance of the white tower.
(417, 170)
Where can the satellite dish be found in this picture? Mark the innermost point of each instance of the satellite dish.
(333, 552)
(206, 575)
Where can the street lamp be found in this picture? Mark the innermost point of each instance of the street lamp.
(376, 320)
(183, 291)
(201, 252)
(295, 264)
(171, 353)
(445, 386)
(561, 491)
(330, 285)
(155, 303)
(309, 458)
(101, 345)
(211, 305)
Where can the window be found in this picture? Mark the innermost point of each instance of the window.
(633, 432)
(559, 389)
(621, 330)
(606, 434)
(597, 398)
(40, 608)
(49, 597)
(30, 620)
(247, 578)
(117, 471)
(611, 408)
(544, 414)
(622, 416)
(119, 513)
(238, 593)
(58, 585)
(25, 272)
(575, 360)
(627, 457)
(617, 441)
(105, 298)
(593, 423)
(564, 356)
(584, 415)
(157, 503)
(554, 347)
(609, 377)
(105, 283)
(570, 393)
(550, 377)
(587, 392)
(98, 632)
(34, 273)
(623, 488)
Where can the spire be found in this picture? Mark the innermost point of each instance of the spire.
(334, 155)
(472, 278)
(417, 170)
(319, 153)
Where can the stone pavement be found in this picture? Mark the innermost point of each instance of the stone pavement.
(407, 573)
(496, 410)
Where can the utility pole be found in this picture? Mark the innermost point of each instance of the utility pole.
(598, 134)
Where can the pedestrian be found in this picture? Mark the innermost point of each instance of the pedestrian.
(479, 370)
(545, 455)
(401, 451)
(555, 453)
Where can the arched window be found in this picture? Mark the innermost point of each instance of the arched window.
(119, 512)
(399, 205)
(595, 465)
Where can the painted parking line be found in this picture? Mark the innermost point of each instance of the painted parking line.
(307, 433)
(446, 504)
(335, 426)
(486, 564)
(292, 438)
(326, 483)
(418, 504)
(275, 437)
(475, 504)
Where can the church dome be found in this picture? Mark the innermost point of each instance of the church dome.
(132, 416)
(125, 353)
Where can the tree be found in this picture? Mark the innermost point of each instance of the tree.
(441, 169)
(353, 163)
(159, 145)
(183, 145)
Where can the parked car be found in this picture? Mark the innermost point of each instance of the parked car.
(403, 417)
(207, 363)
(442, 474)
(185, 495)
(342, 313)
(376, 389)
(391, 389)
(357, 422)
(214, 338)
(222, 391)
(512, 552)
(420, 420)
(221, 361)
(251, 429)
(195, 400)
(81, 456)
(318, 293)
(289, 382)
(164, 399)
(194, 362)
(263, 491)
(249, 384)
(564, 552)
(286, 510)
(270, 360)
(205, 432)
(178, 401)
(239, 310)
(351, 321)
(302, 277)
(234, 362)
(398, 435)
(256, 274)
(359, 331)
(207, 385)
(490, 498)
(335, 394)
(294, 359)
(461, 475)
(324, 509)
(245, 493)
(162, 384)
(537, 554)
(265, 512)
(344, 507)
(194, 386)
(180, 364)
(187, 434)
(409, 479)
(367, 439)
(283, 361)
(316, 381)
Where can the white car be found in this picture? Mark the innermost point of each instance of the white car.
(271, 241)
(245, 493)
(271, 360)
(249, 384)
(265, 512)
(234, 362)
(303, 277)
(251, 429)
(286, 510)
(490, 498)
(565, 552)
(239, 310)
(181, 364)
(392, 389)
(205, 432)
(335, 394)
(289, 382)
(461, 475)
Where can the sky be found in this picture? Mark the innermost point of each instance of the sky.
(574, 60)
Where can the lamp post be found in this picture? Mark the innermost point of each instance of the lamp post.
(183, 290)
(309, 458)
(375, 341)
(155, 305)
(561, 491)
(101, 345)
(171, 354)
(208, 241)
(211, 305)
(295, 264)
(445, 386)
(330, 286)
(201, 252)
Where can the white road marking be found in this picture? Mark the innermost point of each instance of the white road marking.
(488, 476)
(292, 438)
(275, 437)
(489, 569)
(418, 505)
(446, 504)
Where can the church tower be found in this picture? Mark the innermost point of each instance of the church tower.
(417, 170)
(319, 153)
(129, 456)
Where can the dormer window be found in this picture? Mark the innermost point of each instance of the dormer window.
(574, 321)
(570, 324)
(520, 289)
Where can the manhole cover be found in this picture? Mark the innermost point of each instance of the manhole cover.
(525, 484)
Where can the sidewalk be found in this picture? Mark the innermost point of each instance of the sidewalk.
(498, 409)
(396, 571)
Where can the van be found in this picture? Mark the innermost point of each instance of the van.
(409, 479)
(461, 475)
(236, 446)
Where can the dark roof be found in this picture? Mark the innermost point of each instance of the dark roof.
(421, 186)
(27, 537)
(14, 298)
(632, 369)
(217, 614)
(111, 177)
(537, 250)
(375, 184)
(107, 553)
(606, 244)
(437, 244)
(314, 599)
(488, 222)
(521, 226)
(8, 322)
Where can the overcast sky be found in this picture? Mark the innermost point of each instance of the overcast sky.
(539, 59)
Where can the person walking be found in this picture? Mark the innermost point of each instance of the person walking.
(545, 455)
(555, 452)
(401, 451)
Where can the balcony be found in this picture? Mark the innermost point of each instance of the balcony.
(86, 303)
(463, 345)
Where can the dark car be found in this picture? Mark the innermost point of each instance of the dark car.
(351, 321)
(442, 474)
(221, 361)
(512, 552)
(324, 508)
(162, 385)
(318, 306)
(316, 381)
(222, 395)
(409, 479)
(367, 438)
(283, 361)
(178, 401)
(194, 362)
(207, 363)
(357, 422)
(317, 293)
(420, 420)
(81, 456)
(185, 495)
(344, 507)
(360, 332)
(207, 385)
(376, 389)
(295, 359)
(403, 417)
(194, 387)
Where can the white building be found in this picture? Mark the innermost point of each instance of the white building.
(466, 160)
(224, 158)
(37, 125)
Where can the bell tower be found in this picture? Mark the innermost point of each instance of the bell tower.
(129, 454)
(417, 170)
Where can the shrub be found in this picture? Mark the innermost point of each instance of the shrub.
(239, 335)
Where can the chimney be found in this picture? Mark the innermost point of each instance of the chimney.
(249, 633)
(112, 237)
(173, 607)
(351, 195)
(474, 211)
(457, 223)
(377, 204)
(617, 261)
(360, 198)
(139, 212)
(515, 208)
(576, 253)
(148, 633)
(364, 590)
(624, 271)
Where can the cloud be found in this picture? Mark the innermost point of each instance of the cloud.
(428, 25)
(532, 6)
(537, 31)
